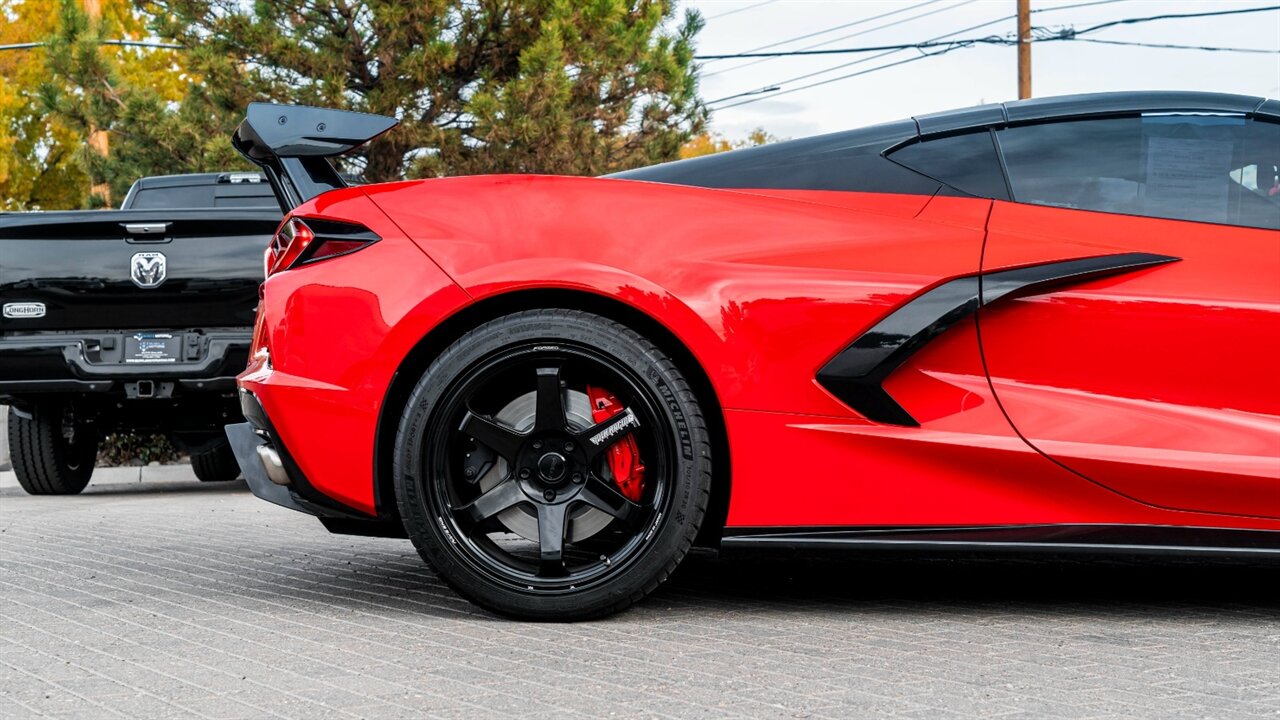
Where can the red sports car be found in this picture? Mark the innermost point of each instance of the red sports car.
(1043, 324)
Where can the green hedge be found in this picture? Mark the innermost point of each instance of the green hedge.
(130, 449)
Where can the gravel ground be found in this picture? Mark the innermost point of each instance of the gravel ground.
(152, 595)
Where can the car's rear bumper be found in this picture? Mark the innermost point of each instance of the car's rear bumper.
(93, 362)
(255, 455)
(272, 475)
(269, 468)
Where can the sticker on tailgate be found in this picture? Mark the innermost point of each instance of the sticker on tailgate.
(152, 348)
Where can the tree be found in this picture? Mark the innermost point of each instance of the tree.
(567, 86)
(45, 92)
(151, 106)
(560, 86)
(708, 143)
(38, 163)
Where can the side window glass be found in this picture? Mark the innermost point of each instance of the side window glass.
(1255, 177)
(1206, 168)
(968, 163)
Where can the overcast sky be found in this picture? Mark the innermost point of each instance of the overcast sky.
(968, 76)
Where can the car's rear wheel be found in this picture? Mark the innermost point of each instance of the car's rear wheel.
(553, 465)
(217, 464)
(53, 450)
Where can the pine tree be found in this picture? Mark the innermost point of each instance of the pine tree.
(556, 86)
(52, 97)
(39, 163)
(562, 86)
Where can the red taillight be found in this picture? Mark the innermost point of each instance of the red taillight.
(302, 241)
(296, 238)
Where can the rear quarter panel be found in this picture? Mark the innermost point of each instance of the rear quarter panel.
(336, 332)
(762, 289)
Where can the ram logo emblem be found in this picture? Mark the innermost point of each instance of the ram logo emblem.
(148, 269)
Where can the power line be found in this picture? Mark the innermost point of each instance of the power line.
(961, 45)
(834, 28)
(1060, 35)
(851, 63)
(742, 9)
(1076, 5)
(121, 43)
(844, 77)
(992, 40)
(1168, 46)
(1180, 16)
(851, 35)
(898, 22)
(1064, 35)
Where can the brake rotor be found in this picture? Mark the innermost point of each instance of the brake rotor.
(585, 521)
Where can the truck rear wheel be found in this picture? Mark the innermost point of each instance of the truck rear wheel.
(52, 453)
(216, 465)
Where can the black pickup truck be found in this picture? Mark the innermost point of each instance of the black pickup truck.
(135, 319)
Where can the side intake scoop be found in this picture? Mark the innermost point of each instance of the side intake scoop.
(856, 376)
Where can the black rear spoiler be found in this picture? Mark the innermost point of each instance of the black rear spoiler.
(292, 144)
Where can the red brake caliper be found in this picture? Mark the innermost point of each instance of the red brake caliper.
(624, 456)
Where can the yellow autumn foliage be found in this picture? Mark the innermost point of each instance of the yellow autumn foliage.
(41, 155)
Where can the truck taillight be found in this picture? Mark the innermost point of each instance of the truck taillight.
(307, 240)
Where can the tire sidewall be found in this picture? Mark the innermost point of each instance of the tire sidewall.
(217, 464)
(673, 530)
(43, 460)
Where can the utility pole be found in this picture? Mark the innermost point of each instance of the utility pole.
(1024, 49)
(98, 139)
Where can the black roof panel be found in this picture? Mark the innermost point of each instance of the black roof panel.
(1115, 103)
(849, 160)
(947, 121)
(1069, 106)
(853, 159)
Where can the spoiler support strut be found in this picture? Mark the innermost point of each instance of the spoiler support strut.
(293, 143)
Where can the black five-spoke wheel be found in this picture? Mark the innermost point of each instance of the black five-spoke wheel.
(553, 465)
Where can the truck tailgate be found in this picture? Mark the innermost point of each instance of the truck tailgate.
(132, 269)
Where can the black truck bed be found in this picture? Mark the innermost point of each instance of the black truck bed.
(94, 300)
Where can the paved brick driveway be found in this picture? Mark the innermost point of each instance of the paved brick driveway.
(173, 599)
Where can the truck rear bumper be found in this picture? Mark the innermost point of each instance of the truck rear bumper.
(94, 362)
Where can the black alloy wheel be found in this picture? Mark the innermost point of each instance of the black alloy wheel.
(517, 453)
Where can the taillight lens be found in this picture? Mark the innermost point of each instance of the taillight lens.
(306, 240)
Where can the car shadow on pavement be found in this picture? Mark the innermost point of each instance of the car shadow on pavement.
(772, 582)
(150, 487)
(176, 487)
(750, 585)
